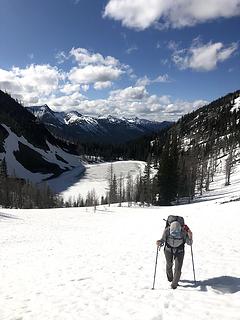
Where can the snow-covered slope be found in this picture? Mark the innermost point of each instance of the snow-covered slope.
(76, 264)
(36, 164)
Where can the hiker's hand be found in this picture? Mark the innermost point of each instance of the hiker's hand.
(189, 234)
(159, 243)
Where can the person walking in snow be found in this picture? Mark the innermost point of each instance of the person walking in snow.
(174, 238)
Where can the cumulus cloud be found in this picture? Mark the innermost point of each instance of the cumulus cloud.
(201, 57)
(84, 57)
(132, 101)
(95, 69)
(92, 74)
(62, 91)
(129, 94)
(141, 14)
(137, 100)
(29, 83)
(69, 88)
(65, 102)
(36, 83)
(102, 85)
(180, 107)
(128, 102)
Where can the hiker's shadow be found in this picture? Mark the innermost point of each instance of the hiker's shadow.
(224, 284)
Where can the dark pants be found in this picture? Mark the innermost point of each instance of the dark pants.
(178, 259)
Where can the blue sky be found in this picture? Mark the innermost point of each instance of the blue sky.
(153, 59)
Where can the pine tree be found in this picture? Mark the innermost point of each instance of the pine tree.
(168, 171)
(147, 186)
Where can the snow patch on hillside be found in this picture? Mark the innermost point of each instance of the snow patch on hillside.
(11, 144)
(236, 106)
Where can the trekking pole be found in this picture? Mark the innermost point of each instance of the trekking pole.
(193, 265)
(155, 271)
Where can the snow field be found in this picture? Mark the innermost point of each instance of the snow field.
(76, 264)
(96, 178)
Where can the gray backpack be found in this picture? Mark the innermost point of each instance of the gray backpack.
(175, 234)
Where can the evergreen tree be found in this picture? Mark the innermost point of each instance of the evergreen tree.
(168, 171)
(147, 184)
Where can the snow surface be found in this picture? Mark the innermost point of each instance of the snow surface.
(76, 264)
(96, 177)
(79, 264)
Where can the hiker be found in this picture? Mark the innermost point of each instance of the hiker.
(175, 235)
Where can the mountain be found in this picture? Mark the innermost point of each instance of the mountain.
(28, 148)
(201, 147)
(75, 126)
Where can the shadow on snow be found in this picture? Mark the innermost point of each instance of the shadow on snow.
(7, 216)
(224, 284)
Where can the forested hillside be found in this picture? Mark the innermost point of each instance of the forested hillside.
(200, 145)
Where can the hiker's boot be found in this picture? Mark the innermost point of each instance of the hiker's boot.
(174, 286)
(176, 278)
(170, 275)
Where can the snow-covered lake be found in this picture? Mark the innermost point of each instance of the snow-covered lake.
(76, 264)
(96, 178)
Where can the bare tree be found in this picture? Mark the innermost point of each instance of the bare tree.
(228, 166)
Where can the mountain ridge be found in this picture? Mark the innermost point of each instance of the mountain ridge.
(104, 129)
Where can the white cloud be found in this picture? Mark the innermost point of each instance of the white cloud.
(129, 94)
(145, 81)
(141, 14)
(69, 88)
(65, 102)
(84, 58)
(36, 83)
(39, 84)
(201, 57)
(61, 57)
(102, 85)
(179, 108)
(136, 101)
(85, 87)
(131, 49)
(95, 69)
(29, 83)
(92, 74)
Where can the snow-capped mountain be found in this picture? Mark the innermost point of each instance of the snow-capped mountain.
(29, 149)
(75, 126)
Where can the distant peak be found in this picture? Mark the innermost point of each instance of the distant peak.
(75, 113)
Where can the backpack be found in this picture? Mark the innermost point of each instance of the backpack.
(172, 218)
(172, 241)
